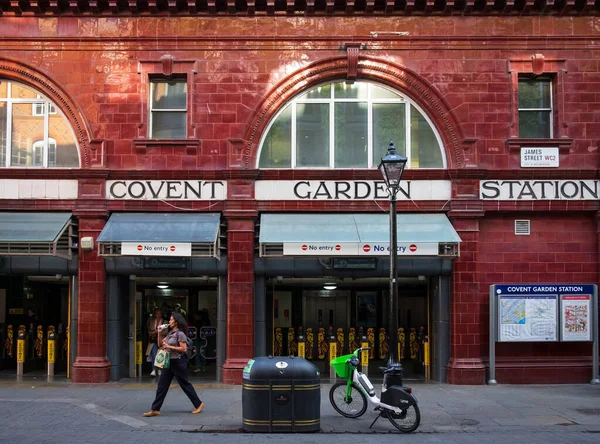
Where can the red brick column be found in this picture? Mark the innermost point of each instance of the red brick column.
(467, 303)
(598, 243)
(91, 363)
(240, 294)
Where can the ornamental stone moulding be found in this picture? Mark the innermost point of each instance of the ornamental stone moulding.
(91, 149)
(459, 150)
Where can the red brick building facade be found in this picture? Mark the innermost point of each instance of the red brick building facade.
(240, 67)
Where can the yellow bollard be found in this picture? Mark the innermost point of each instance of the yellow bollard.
(139, 357)
(51, 350)
(364, 360)
(21, 336)
(426, 349)
(301, 343)
(332, 352)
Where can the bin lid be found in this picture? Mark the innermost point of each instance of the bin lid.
(280, 367)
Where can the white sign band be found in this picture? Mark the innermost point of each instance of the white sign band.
(348, 190)
(539, 189)
(177, 249)
(166, 190)
(357, 249)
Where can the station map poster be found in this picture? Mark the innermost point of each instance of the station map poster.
(528, 318)
(575, 319)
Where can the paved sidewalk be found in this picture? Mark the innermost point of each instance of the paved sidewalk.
(444, 408)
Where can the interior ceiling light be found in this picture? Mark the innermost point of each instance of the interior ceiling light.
(330, 286)
(162, 286)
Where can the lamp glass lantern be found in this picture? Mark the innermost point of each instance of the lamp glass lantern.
(391, 168)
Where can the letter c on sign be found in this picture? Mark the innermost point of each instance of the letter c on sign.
(112, 189)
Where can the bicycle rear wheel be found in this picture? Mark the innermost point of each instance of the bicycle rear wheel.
(352, 406)
(407, 420)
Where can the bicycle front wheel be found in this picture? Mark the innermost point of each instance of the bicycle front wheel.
(353, 406)
(407, 420)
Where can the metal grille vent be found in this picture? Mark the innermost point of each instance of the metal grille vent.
(522, 227)
(271, 250)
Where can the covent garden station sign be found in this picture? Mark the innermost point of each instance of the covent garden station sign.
(335, 190)
(325, 190)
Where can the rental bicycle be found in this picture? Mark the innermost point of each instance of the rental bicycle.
(397, 402)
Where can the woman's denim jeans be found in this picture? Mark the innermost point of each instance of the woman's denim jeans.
(199, 359)
(153, 355)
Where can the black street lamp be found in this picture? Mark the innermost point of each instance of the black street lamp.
(392, 167)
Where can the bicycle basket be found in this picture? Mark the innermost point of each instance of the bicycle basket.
(342, 369)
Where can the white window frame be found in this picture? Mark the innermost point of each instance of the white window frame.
(49, 154)
(331, 101)
(37, 109)
(550, 109)
(46, 105)
(153, 82)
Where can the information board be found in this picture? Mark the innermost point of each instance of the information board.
(527, 318)
(544, 313)
(575, 311)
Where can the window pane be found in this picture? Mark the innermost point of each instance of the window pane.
(534, 124)
(3, 129)
(344, 90)
(168, 125)
(312, 135)
(169, 95)
(389, 124)
(19, 91)
(26, 130)
(377, 92)
(320, 92)
(277, 147)
(424, 150)
(62, 149)
(3, 89)
(52, 153)
(534, 93)
(351, 135)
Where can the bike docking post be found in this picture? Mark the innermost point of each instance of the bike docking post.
(364, 359)
(332, 352)
(301, 343)
(21, 337)
(51, 351)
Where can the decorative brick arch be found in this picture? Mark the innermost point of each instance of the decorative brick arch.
(369, 68)
(90, 149)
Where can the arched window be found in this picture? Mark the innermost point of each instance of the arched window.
(340, 125)
(33, 130)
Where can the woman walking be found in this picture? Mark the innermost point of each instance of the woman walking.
(175, 343)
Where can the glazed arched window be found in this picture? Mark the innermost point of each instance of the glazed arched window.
(340, 125)
(33, 130)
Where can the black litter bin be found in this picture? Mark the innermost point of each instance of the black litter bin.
(281, 394)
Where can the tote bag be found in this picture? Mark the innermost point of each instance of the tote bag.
(161, 357)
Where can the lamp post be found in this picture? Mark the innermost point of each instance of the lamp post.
(392, 167)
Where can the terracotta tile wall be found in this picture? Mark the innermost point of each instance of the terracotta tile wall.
(560, 249)
(237, 71)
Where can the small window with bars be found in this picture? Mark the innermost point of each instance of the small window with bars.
(535, 108)
(168, 108)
